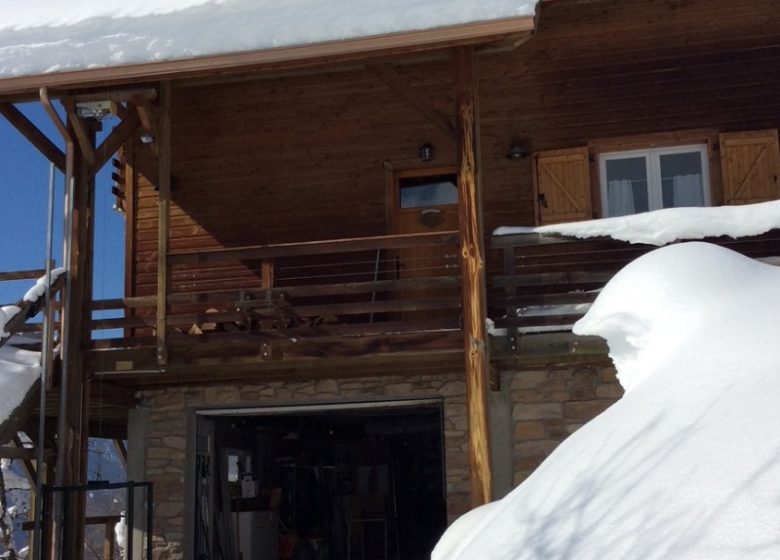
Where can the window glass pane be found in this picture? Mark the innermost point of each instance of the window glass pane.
(433, 190)
(627, 186)
(682, 179)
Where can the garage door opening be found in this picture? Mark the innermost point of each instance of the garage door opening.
(363, 481)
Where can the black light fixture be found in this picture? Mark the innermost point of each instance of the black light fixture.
(516, 151)
(425, 152)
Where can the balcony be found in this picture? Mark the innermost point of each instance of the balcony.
(388, 302)
(542, 284)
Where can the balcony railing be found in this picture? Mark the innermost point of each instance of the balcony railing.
(547, 282)
(292, 301)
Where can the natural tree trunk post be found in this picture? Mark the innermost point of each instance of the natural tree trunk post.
(473, 272)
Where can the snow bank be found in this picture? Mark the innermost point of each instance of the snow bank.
(664, 226)
(36, 38)
(19, 370)
(686, 466)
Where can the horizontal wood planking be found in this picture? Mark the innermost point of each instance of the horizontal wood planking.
(246, 150)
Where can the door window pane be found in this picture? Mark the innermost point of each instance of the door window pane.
(431, 190)
(627, 186)
(682, 180)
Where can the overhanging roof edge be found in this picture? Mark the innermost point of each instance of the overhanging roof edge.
(273, 58)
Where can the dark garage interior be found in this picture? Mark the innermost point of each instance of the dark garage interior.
(359, 482)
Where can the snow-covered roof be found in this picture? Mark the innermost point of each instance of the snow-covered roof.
(38, 37)
(685, 465)
(672, 224)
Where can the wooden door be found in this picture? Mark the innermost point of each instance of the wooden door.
(425, 201)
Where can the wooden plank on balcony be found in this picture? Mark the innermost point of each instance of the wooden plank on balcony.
(554, 279)
(563, 320)
(356, 329)
(237, 369)
(317, 354)
(263, 252)
(528, 239)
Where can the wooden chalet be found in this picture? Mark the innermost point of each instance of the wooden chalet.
(302, 351)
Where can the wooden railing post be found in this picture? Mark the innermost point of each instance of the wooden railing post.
(473, 272)
(163, 232)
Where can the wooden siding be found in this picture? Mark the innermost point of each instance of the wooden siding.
(302, 157)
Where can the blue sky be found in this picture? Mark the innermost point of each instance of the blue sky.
(24, 185)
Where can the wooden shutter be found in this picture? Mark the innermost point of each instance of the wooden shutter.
(750, 166)
(562, 184)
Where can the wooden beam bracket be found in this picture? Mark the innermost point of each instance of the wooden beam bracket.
(33, 134)
(114, 141)
(392, 79)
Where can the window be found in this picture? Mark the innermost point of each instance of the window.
(428, 190)
(641, 180)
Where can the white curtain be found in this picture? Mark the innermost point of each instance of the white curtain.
(687, 190)
(620, 197)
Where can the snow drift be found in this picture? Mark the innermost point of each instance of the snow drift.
(687, 464)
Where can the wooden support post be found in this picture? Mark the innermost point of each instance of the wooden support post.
(164, 186)
(73, 423)
(473, 272)
(267, 274)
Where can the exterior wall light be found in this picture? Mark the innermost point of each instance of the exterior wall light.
(425, 152)
(516, 151)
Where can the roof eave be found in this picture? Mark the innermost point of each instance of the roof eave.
(276, 58)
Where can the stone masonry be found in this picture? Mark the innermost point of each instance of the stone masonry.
(547, 406)
(165, 440)
(550, 404)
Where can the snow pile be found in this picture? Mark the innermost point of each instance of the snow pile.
(19, 370)
(7, 312)
(686, 466)
(36, 37)
(671, 224)
(120, 533)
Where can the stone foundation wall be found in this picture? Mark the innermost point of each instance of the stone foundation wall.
(547, 406)
(551, 404)
(168, 411)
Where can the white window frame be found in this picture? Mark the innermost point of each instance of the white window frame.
(653, 165)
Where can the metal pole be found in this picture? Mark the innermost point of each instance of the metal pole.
(46, 364)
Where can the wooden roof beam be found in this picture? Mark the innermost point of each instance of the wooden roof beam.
(37, 138)
(116, 96)
(392, 79)
(83, 136)
(114, 141)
